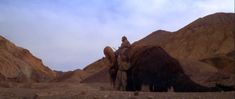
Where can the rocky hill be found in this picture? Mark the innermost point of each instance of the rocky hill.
(205, 48)
(19, 65)
(206, 37)
(209, 39)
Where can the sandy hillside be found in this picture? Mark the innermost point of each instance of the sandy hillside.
(18, 64)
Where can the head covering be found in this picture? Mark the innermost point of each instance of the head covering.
(124, 38)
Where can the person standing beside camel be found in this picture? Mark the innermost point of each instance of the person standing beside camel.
(123, 63)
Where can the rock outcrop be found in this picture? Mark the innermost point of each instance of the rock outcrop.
(19, 65)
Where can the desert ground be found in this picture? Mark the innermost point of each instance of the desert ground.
(92, 91)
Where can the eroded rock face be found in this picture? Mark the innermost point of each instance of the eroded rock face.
(18, 64)
(224, 62)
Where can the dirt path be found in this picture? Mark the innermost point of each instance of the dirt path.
(82, 91)
(19, 93)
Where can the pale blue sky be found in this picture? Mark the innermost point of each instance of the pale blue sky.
(70, 34)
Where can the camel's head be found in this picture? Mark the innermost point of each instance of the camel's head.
(113, 65)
